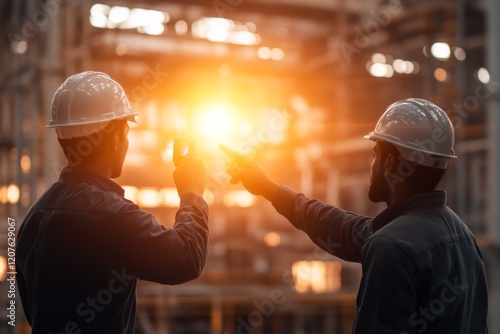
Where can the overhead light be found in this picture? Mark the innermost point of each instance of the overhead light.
(381, 69)
(440, 50)
(399, 65)
(19, 47)
(379, 58)
(121, 49)
(410, 67)
(118, 14)
(13, 194)
(459, 53)
(272, 239)
(483, 75)
(146, 21)
(264, 52)
(217, 29)
(317, 276)
(244, 38)
(440, 74)
(25, 163)
(378, 70)
(154, 29)
(100, 9)
(277, 54)
(99, 21)
(389, 71)
(181, 27)
(416, 67)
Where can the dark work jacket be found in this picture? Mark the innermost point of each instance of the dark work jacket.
(422, 269)
(82, 247)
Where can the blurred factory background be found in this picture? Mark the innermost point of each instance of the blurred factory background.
(294, 83)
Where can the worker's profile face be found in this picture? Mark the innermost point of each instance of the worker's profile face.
(379, 189)
(122, 148)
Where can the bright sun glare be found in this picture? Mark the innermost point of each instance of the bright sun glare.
(213, 122)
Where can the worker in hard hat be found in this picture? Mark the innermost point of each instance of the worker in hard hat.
(422, 269)
(82, 245)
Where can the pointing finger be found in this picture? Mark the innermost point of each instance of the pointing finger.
(238, 157)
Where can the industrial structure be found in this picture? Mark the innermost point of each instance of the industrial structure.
(293, 83)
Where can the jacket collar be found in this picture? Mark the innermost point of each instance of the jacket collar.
(75, 174)
(420, 201)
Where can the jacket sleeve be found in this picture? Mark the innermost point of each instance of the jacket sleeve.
(152, 252)
(336, 231)
(387, 296)
(21, 283)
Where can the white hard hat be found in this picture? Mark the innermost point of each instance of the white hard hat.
(420, 130)
(86, 102)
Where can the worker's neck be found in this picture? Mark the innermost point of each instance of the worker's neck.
(98, 168)
(402, 193)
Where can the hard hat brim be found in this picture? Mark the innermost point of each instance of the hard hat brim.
(375, 137)
(130, 117)
(416, 155)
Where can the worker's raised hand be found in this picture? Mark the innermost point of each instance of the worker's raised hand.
(190, 175)
(249, 173)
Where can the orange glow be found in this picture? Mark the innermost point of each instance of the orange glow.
(13, 194)
(131, 193)
(240, 198)
(317, 276)
(25, 163)
(440, 74)
(169, 197)
(149, 197)
(166, 197)
(3, 268)
(272, 239)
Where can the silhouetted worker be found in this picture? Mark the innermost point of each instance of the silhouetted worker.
(82, 245)
(422, 269)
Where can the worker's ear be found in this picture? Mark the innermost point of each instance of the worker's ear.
(390, 162)
(116, 141)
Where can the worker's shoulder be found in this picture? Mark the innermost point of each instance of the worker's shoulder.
(420, 231)
(81, 196)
